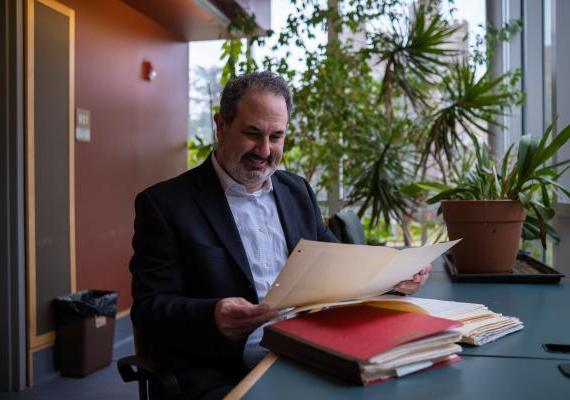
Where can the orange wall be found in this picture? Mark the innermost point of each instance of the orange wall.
(138, 131)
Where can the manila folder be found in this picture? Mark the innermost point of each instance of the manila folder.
(318, 272)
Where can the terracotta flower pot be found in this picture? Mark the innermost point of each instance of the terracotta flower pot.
(491, 232)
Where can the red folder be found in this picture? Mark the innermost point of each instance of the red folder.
(338, 340)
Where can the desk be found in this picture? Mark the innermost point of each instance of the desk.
(514, 367)
(476, 378)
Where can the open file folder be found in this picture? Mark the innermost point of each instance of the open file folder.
(319, 274)
(365, 344)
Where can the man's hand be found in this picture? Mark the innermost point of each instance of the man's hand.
(236, 317)
(413, 285)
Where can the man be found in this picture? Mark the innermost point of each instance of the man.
(209, 243)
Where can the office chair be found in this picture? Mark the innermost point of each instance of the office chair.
(347, 228)
(154, 383)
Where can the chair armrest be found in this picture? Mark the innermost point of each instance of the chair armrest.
(134, 368)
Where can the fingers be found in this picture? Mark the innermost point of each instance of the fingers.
(236, 317)
(422, 276)
(425, 270)
(407, 287)
(413, 285)
(241, 308)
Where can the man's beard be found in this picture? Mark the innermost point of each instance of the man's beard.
(245, 174)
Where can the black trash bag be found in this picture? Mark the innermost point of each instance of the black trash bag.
(85, 304)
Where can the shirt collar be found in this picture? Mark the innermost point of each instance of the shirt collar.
(229, 184)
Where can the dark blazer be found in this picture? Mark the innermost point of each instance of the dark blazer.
(188, 254)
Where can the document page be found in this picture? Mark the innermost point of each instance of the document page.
(318, 272)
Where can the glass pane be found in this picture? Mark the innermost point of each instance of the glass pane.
(205, 71)
(547, 36)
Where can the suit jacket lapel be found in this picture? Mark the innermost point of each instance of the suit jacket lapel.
(212, 200)
(284, 199)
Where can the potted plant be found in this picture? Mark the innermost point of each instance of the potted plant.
(491, 205)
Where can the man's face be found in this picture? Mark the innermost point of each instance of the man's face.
(251, 146)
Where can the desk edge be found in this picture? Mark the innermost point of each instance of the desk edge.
(246, 383)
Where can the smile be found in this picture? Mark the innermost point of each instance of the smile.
(255, 162)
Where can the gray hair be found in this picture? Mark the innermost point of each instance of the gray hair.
(236, 88)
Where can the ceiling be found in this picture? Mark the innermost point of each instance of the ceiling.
(194, 20)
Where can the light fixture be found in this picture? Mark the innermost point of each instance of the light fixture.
(148, 72)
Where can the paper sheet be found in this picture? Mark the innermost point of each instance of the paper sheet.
(318, 272)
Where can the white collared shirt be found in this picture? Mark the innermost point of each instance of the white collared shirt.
(257, 220)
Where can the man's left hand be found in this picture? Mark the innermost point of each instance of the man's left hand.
(413, 285)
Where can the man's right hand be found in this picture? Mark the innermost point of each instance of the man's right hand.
(236, 317)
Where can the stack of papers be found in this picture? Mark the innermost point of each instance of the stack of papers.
(412, 357)
(365, 344)
(323, 275)
(480, 325)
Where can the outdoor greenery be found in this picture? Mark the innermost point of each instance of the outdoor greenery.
(392, 97)
(204, 98)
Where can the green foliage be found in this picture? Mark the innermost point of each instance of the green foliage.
(380, 171)
(237, 56)
(231, 49)
(470, 104)
(484, 50)
(414, 57)
(382, 234)
(377, 234)
(387, 111)
(198, 150)
(529, 179)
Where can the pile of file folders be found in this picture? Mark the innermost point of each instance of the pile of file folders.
(480, 325)
(388, 337)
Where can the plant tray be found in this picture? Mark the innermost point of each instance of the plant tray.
(526, 270)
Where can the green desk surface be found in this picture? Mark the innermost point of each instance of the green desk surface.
(514, 367)
(544, 309)
(477, 378)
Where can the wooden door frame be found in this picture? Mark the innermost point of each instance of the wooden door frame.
(39, 342)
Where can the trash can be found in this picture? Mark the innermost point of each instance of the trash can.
(85, 326)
